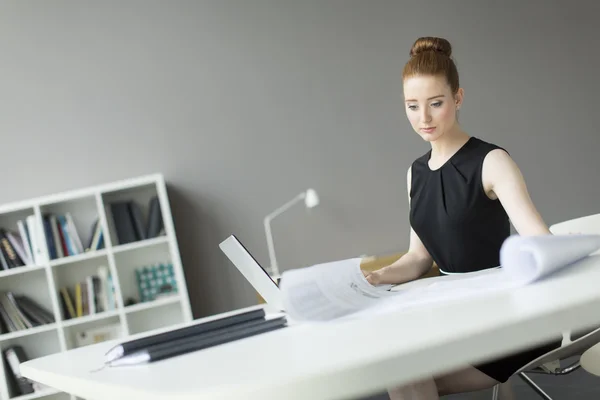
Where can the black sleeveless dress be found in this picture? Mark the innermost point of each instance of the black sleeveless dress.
(462, 228)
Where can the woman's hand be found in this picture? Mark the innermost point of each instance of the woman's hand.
(374, 277)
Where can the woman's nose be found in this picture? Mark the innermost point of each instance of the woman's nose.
(425, 116)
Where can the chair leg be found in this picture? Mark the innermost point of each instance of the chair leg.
(495, 392)
(534, 386)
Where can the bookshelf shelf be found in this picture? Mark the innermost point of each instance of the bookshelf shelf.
(140, 244)
(27, 332)
(90, 318)
(152, 304)
(21, 270)
(87, 265)
(37, 395)
(77, 258)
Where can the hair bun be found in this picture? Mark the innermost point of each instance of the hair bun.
(429, 43)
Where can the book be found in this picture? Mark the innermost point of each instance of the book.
(155, 222)
(9, 252)
(339, 289)
(15, 355)
(123, 221)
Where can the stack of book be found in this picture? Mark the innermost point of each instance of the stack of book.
(18, 312)
(94, 295)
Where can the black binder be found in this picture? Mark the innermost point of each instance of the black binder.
(132, 346)
(162, 351)
(184, 345)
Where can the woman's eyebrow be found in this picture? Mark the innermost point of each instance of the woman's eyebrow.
(431, 98)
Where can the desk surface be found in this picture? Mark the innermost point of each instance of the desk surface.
(343, 359)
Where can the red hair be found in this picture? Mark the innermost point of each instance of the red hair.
(432, 56)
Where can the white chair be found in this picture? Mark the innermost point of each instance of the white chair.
(590, 360)
(588, 225)
(582, 345)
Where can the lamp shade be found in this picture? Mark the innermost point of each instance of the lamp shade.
(311, 199)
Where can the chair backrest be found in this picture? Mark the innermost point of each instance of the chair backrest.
(574, 343)
(589, 224)
(575, 348)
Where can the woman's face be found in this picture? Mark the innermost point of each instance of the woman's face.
(430, 105)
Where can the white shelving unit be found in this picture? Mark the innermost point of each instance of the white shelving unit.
(42, 281)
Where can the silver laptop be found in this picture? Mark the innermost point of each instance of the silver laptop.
(252, 271)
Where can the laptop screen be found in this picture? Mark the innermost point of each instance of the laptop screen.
(254, 273)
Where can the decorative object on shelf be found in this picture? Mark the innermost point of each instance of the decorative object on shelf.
(98, 334)
(130, 301)
(311, 199)
(155, 281)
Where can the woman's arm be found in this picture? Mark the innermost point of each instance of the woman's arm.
(416, 262)
(502, 179)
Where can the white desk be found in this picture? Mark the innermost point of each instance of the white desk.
(342, 360)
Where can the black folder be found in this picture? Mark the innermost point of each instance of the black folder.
(132, 346)
(188, 344)
(194, 343)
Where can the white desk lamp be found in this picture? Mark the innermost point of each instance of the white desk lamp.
(311, 199)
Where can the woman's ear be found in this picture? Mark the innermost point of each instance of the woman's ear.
(459, 97)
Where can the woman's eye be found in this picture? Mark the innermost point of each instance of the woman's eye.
(412, 107)
(437, 104)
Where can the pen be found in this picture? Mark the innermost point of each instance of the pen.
(185, 345)
(132, 346)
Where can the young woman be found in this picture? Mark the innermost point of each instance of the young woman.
(463, 194)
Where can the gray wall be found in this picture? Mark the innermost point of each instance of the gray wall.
(244, 104)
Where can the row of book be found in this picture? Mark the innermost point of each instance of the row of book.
(19, 312)
(63, 239)
(91, 296)
(129, 222)
(23, 246)
(19, 247)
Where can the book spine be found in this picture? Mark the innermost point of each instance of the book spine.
(49, 237)
(26, 241)
(34, 308)
(9, 251)
(123, 222)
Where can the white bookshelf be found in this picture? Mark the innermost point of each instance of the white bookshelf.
(43, 280)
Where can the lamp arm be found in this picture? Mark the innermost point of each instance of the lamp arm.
(286, 206)
(274, 269)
